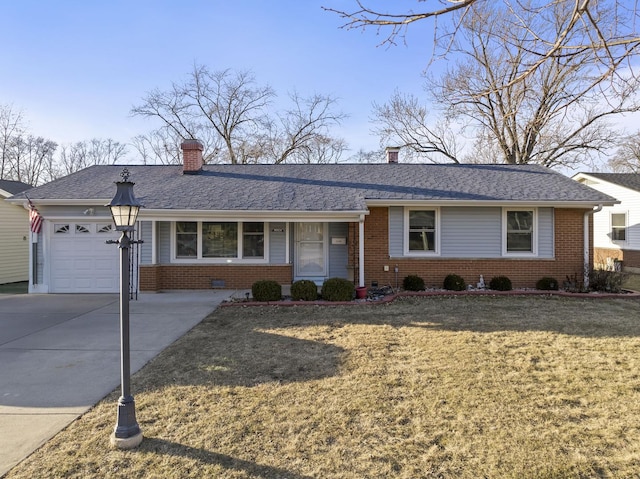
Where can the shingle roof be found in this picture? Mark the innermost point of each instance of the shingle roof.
(335, 187)
(628, 180)
(13, 187)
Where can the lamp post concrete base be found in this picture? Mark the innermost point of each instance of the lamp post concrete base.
(126, 442)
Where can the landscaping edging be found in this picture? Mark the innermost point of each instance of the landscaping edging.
(392, 297)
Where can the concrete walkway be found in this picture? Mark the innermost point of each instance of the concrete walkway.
(60, 354)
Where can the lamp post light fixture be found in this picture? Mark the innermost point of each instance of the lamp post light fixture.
(124, 209)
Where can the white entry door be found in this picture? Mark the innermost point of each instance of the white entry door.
(310, 252)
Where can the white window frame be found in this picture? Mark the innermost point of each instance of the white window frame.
(237, 260)
(534, 234)
(626, 226)
(436, 251)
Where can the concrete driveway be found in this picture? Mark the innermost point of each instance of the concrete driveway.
(60, 354)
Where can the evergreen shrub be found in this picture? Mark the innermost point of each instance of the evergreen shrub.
(454, 282)
(266, 290)
(547, 283)
(305, 290)
(413, 283)
(500, 283)
(337, 289)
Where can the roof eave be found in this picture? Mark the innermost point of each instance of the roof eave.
(154, 214)
(61, 202)
(501, 203)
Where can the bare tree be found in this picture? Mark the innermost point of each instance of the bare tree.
(212, 107)
(364, 156)
(80, 155)
(23, 156)
(627, 156)
(157, 147)
(554, 116)
(11, 128)
(403, 121)
(301, 134)
(32, 159)
(319, 149)
(607, 28)
(230, 114)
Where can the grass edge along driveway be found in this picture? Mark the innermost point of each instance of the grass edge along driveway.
(452, 387)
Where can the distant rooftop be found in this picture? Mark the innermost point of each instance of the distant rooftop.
(628, 180)
(13, 187)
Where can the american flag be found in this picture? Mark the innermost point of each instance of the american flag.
(34, 218)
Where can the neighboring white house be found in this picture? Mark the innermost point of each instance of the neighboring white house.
(14, 235)
(616, 229)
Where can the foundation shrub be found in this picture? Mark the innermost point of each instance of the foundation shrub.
(500, 283)
(337, 289)
(547, 283)
(454, 282)
(266, 290)
(606, 280)
(305, 290)
(413, 283)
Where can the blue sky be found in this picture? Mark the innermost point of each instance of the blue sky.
(76, 68)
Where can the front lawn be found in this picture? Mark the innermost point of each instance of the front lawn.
(452, 387)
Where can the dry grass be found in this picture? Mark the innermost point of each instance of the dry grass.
(632, 282)
(452, 387)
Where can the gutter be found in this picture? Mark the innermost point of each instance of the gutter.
(586, 265)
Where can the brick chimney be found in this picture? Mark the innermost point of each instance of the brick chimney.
(191, 157)
(392, 154)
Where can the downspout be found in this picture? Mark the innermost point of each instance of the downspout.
(361, 251)
(586, 265)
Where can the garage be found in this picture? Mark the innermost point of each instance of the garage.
(81, 261)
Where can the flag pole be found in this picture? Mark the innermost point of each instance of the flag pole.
(35, 223)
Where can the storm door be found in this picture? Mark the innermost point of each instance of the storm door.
(310, 253)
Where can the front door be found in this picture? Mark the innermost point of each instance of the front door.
(310, 256)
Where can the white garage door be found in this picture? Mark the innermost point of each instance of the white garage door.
(81, 261)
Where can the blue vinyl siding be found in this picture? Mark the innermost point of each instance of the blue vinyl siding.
(338, 253)
(396, 230)
(471, 232)
(545, 233)
(467, 232)
(164, 242)
(146, 235)
(277, 243)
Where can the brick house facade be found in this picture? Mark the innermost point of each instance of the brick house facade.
(379, 266)
(227, 226)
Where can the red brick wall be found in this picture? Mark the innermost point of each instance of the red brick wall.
(177, 276)
(630, 258)
(522, 272)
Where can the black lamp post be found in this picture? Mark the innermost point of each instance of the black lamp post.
(124, 209)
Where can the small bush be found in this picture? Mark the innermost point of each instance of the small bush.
(500, 283)
(266, 290)
(413, 283)
(305, 290)
(337, 289)
(606, 280)
(453, 282)
(547, 283)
